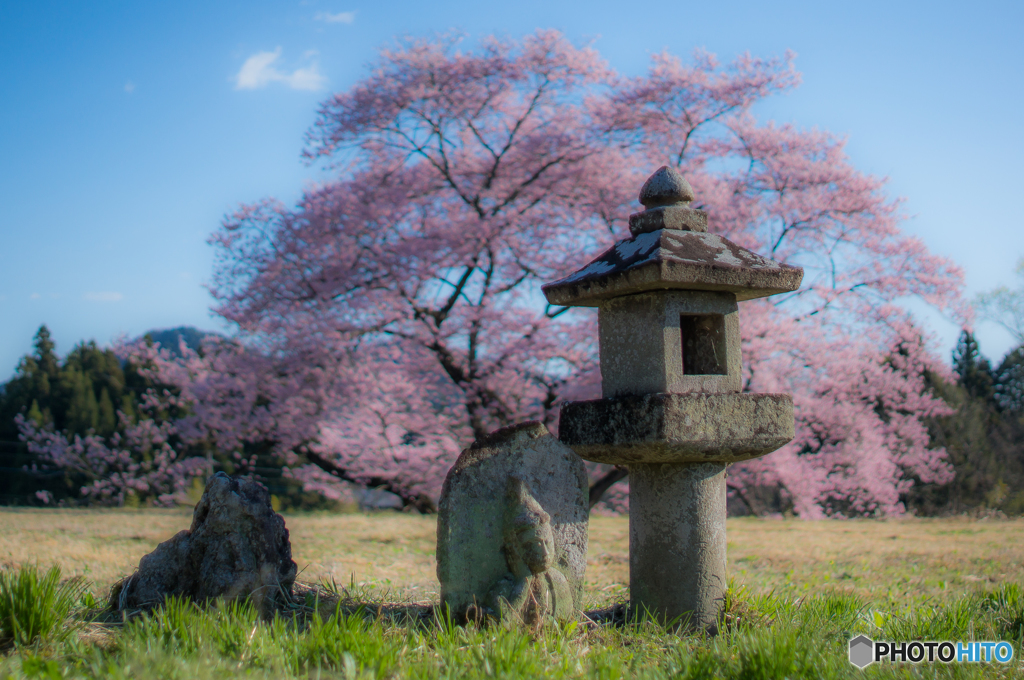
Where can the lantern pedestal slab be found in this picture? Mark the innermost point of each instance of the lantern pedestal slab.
(677, 428)
(677, 447)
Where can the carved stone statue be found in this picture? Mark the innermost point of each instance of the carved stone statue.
(512, 528)
(534, 587)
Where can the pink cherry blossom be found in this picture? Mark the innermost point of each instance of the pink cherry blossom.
(394, 313)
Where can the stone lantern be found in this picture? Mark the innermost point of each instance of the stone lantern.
(673, 411)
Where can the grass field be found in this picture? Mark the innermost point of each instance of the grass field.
(799, 591)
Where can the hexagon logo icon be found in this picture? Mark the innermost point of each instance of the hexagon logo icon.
(862, 650)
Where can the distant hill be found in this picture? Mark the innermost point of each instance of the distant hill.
(169, 338)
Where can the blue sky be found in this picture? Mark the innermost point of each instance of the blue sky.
(128, 129)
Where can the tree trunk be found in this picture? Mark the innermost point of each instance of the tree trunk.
(598, 488)
(425, 505)
(420, 502)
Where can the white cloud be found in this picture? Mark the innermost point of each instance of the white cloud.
(305, 79)
(339, 18)
(34, 296)
(103, 296)
(259, 70)
(129, 87)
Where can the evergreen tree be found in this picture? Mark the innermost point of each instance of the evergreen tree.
(93, 393)
(984, 436)
(1009, 382)
(78, 396)
(82, 410)
(973, 369)
(31, 392)
(106, 421)
(32, 386)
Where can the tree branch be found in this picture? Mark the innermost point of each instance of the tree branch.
(419, 502)
(598, 488)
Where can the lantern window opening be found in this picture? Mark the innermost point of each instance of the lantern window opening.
(704, 344)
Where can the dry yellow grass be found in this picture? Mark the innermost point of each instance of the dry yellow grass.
(903, 561)
(384, 550)
(900, 560)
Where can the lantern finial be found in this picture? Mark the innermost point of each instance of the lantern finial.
(665, 187)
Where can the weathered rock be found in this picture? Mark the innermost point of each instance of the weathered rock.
(512, 527)
(237, 547)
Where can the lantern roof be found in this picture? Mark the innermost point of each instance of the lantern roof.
(671, 250)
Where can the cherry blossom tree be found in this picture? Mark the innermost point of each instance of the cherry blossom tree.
(461, 173)
(302, 409)
(394, 313)
(142, 460)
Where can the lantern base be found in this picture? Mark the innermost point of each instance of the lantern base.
(677, 543)
(677, 428)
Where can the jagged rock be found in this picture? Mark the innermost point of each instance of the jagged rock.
(237, 547)
(512, 528)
